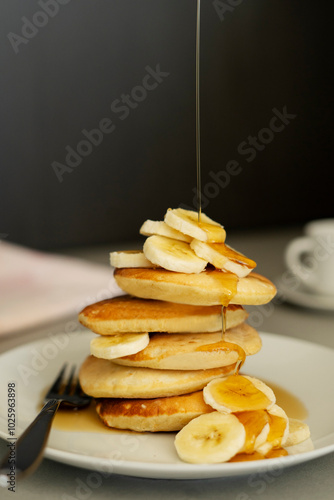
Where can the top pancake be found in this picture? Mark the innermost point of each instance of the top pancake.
(205, 288)
(129, 314)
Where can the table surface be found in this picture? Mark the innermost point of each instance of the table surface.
(310, 480)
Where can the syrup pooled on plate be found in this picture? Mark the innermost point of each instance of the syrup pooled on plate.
(83, 420)
(291, 404)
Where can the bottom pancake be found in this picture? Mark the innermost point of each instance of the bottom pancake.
(152, 415)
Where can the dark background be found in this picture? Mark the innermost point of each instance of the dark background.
(256, 56)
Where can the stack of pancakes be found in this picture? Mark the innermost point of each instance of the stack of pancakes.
(160, 387)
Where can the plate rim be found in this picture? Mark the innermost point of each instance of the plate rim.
(188, 471)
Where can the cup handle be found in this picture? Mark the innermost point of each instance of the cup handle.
(293, 258)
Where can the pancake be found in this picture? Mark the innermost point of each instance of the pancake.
(101, 378)
(180, 351)
(152, 415)
(130, 314)
(206, 288)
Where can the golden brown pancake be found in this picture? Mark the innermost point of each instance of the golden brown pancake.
(152, 415)
(205, 288)
(181, 352)
(130, 314)
(101, 378)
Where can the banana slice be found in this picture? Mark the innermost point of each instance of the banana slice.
(186, 221)
(115, 346)
(298, 432)
(238, 393)
(151, 227)
(211, 438)
(223, 257)
(130, 258)
(173, 255)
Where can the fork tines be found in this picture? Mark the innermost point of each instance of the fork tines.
(59, 387)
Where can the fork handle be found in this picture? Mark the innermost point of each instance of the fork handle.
(30, 445)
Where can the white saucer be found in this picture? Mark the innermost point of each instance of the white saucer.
(302, 296)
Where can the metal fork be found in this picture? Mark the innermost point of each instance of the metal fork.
(30, 445)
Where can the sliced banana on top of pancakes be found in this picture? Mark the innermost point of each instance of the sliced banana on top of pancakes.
(194, 225)
(184, 242)
(173, 255)
(129, 258)
(224, 257)
(179, 248)
(151, 227)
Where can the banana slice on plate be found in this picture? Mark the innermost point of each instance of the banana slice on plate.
(173, 255)
(187, 222)
(210, 438)
(298, 432)
(115, 346)
(238, 393)
(130, 258)
(151, 227)
(223, 257)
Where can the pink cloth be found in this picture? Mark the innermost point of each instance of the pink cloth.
(37, 288)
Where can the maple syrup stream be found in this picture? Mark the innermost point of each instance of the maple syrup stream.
(198, 127)
(225, 345)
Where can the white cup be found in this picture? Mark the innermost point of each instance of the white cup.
(311, 257)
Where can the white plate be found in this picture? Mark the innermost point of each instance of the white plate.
(304, 369)
(301, 296)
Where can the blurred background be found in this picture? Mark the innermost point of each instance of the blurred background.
(98, 115)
